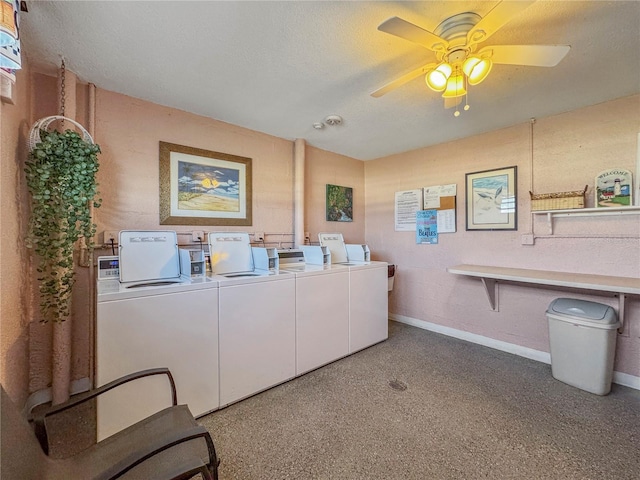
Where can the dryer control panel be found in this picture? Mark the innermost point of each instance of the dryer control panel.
(109, 268)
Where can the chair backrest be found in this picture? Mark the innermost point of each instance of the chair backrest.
(20, 453)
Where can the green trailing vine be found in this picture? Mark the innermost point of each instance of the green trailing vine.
(61, 177)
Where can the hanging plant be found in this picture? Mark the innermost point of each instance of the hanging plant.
(61, 177)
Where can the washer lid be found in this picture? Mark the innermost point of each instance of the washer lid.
(335, 243)
(583, 309)
(148, 255)
(230, 253)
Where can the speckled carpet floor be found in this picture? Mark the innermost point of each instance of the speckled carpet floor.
(425, 406)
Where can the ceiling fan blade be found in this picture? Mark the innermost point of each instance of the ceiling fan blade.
(499, 15)
(531, 55)
(452, 102)
(413, 33)
(407, 77)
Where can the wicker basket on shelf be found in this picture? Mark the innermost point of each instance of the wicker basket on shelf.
(558, 201)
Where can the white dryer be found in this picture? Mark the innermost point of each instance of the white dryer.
(368, 299)
(162, 319)
(256, 320)
(368, 304)
(322, 311)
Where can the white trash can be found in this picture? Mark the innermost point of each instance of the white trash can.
(582, 338)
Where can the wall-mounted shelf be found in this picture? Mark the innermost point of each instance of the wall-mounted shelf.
(585, 212)
(620, 286)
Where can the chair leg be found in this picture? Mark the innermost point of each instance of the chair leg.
(214, 461)
(207, 474)
(213, 469)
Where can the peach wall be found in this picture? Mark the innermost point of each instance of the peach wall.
(324, 167)
(568, 151)
(129, 131)
(14, 285)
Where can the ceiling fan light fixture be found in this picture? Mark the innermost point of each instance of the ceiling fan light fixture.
(455, 87)
(455, 41)
(476, 69)
(437, 78)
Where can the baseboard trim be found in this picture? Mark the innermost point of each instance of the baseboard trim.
(618, 377)
(626, 380)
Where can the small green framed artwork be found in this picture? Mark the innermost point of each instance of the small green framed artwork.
(339, 203)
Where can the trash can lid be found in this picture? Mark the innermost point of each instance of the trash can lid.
(584, 310)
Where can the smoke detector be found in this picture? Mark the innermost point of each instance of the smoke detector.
(333, 120)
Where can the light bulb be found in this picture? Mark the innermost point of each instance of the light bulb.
(437, 79)
(456, 113)
(466, 107)
(455, 87)
(476, 69)
(468, 65)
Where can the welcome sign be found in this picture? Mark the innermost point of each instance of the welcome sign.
(614, 188)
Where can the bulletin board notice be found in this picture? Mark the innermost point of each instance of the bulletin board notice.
(443, 199)
(407, 203)
(427, 227)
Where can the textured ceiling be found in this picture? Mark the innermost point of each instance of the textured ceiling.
(278, 67)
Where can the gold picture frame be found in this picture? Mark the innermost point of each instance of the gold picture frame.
(202, 187)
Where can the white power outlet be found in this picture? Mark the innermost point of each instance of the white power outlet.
(258, 236)
(197, 236)
(527, 239)
(110, 235)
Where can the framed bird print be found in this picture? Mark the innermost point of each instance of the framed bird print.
(201, 187)
(492, 199)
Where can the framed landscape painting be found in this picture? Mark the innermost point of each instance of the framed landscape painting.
(201, 187)
(491, 199)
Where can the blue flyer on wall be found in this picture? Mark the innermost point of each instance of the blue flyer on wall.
(427, 226)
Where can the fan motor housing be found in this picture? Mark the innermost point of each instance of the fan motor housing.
(457, 27)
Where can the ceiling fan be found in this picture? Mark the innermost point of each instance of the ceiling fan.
(459, 62)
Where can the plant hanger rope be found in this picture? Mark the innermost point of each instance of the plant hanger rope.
(63, 92)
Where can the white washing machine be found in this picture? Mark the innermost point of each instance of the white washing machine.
(322, 311)
(160, 320)
(368, 305)
(368, 299)
(256, 320)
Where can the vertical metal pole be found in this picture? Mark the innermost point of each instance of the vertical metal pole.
(298, 196)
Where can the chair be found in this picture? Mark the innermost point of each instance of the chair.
(166, 445)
